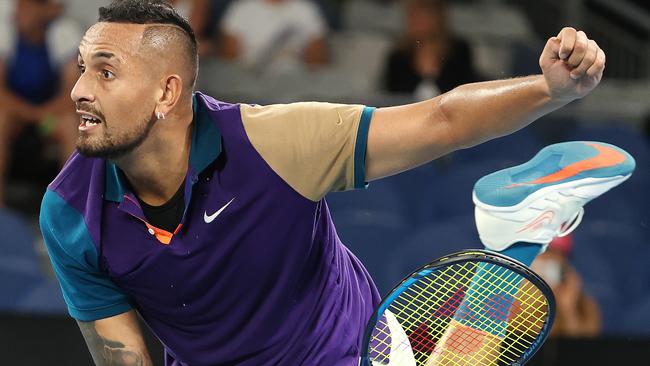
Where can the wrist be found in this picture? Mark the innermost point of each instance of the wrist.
(543, 87)
(555, 96)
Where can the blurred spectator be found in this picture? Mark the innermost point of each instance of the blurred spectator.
(331, 10)
(428, 60)
(83, 12)
(37, 71)
(274, 35)
(578, 314)
(199, 14)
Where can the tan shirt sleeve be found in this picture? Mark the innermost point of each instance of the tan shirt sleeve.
(315, 147)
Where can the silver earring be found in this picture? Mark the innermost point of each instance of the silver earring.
(160, 115)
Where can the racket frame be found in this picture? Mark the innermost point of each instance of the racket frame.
(469, 255)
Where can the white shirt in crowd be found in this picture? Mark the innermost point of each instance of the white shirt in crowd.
(274, 34)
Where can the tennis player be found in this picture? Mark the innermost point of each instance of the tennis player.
(207, 218)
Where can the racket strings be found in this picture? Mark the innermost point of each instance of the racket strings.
(514, 348)
(463, 340)
(430, 313)
(416, 299)
(411, 302)
(448, 310)
(466, 341)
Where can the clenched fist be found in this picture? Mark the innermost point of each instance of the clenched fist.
(572, 64)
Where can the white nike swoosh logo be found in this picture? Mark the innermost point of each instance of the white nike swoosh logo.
(209, 218)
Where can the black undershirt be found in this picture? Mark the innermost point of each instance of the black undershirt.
(169, 214)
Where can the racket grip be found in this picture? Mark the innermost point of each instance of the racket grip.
(523, 252)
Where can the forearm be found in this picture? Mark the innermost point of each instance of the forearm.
(403, 137)
(115, 345)
(478, 112)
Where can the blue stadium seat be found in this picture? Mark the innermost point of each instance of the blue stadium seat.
(502, 152)
(381, 198)
(433, 241)
(446, 191)
(43, 297)
(451, 194)
(636, 318)
(598, 277)
(612, 257)
(415, 188)
(20, 271)
(14, 285)
(620, 205)
(17, 238)
(372, 239)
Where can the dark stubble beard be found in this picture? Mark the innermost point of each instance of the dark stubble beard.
(115, 146)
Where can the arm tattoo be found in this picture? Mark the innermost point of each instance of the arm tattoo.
(106, 352)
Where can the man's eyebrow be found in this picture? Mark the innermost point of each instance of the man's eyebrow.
(103, 54)
(100, 54)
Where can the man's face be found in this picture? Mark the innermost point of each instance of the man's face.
(423, 23)
(116, 91)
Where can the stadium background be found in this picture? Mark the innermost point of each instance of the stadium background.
(424, 213)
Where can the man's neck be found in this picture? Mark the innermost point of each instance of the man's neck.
(158, 167)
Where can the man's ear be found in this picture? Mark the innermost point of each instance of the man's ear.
(172, 88)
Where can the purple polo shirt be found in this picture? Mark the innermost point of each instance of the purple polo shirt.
(255, 274)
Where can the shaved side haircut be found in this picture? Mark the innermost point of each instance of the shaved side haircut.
(167, 28)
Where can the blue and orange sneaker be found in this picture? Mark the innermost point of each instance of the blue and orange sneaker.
(543, 198)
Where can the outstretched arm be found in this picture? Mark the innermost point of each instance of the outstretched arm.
(403, 137)
(116, 341)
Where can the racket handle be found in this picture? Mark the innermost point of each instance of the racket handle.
(523, 252)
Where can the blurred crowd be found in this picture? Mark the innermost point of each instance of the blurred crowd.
(38, 55)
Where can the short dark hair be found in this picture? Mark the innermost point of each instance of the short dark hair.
(154, 12)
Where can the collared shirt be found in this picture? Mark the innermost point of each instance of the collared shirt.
(255, 273)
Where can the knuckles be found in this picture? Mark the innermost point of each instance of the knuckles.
(568, 29)
(580, 46)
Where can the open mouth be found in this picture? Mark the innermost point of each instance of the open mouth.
(88, 121)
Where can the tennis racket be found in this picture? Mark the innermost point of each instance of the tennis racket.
(469, 308)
